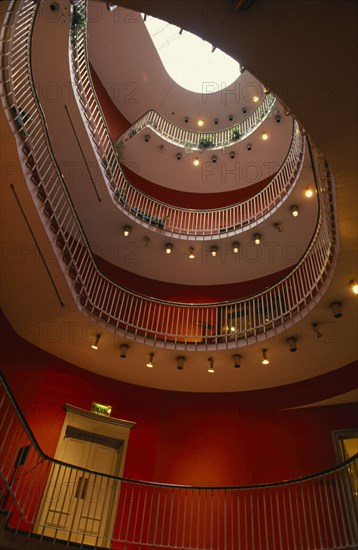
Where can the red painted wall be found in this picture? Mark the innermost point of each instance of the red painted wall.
(235, 438)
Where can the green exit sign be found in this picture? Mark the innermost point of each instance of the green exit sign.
(104, 410)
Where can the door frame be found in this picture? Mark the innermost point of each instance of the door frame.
(103, 426)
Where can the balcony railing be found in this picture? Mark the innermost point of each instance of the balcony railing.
(164, 323)
(174, 221)
(197, 141)
(42, 497)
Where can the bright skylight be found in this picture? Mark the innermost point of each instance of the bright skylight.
(191, 61)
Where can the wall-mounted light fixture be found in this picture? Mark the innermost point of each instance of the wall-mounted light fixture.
(126, 230)
(354, 286)
(168, 248)
(237, 360)
(180, 362)
(123, 350)
(292, 342)
(96, 342)
(294, 210)
(336, 308)
(257, 238)
(150, 362)
(211, 365)
(264, 361)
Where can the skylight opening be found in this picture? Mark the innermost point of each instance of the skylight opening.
(191, 62)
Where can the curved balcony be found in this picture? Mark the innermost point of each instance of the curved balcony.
(197, 141)
(155, 214)
(163, 323)
(315, 512)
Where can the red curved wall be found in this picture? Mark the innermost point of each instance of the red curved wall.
(200, 439)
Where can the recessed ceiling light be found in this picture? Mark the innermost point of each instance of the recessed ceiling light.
(214, 251)
(257, 238)
(294, 211)
(264, 136)
(200, 122)
(126, 230)
(265, 361)
(196, 161)
(168, 248)
(191, 253)
(235, 247)
(308, 192)
(255, 98)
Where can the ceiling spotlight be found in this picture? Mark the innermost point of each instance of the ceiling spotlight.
(168, 248)
(294, 211)
(336, 308)
(235, 247)
(264, 361)
(278, 118)
(191, 253)
(354, 286)
(186, 119)
(96, 342)
(237, 358)
(231, 118)
(147, 137)
(249, 146)
(150, 362)
(126, 230)
(257, 238)
(266, 90)
(214, 158)
(278, 226)
(214, 251)
(255, 98)
(265, 136)
(123, 349)
(200, 122)
(292, 342)
(308, 192)
(244, 110)
(180, 362)
(146, 242)
(232, 154)
(196, 162)
(211, 365)
(179, 155)
(216, 121)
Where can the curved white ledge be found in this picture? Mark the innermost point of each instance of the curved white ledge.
(157, 215)
(183, 326)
